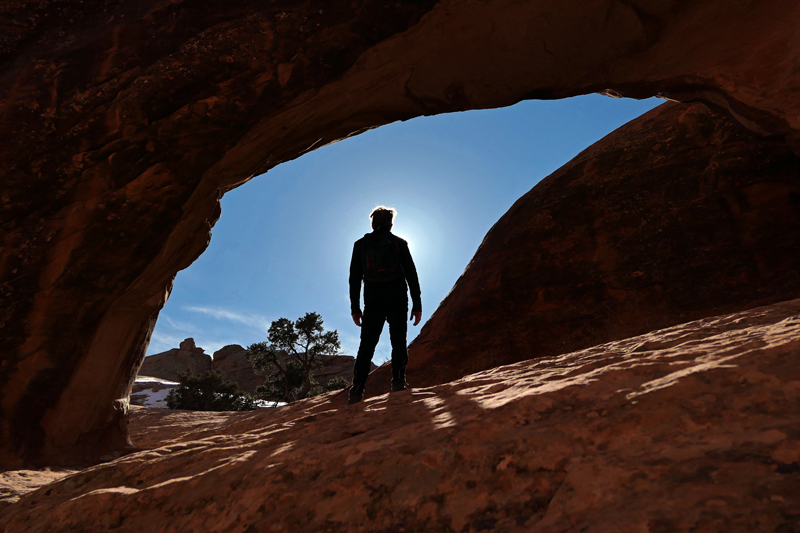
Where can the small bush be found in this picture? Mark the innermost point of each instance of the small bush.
(210, 391)
(337, 383)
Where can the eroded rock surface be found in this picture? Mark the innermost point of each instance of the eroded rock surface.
(122, 124)
(231, 360)
(16, 483)
(167, 365)
(678, 215)
(691, 428)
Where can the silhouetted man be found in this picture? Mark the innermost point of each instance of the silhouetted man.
(383, 262)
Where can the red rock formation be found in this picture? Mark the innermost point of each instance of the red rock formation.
(231, 360)
(340, 366)
(678, 215)
(692, 428)
(167, 365)
(121, 125)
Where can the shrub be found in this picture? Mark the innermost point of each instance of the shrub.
(337, 383)
(210, 391)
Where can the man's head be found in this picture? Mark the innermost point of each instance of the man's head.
(382, 217)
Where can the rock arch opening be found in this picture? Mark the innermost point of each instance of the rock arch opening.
(282, 244)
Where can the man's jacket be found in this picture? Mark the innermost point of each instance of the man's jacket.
(389, 292)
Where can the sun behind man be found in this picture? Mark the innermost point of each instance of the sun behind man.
(383, 262)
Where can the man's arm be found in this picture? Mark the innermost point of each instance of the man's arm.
(411, 278)
(355, 281)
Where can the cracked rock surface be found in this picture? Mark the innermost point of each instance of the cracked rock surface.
(691, 428)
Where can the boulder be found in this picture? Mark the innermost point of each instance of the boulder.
(692, 428)
(231, 361)
(225, 352)
(188, 345)
(678, 215)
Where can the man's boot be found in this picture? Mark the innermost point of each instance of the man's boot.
(399, 384)
(356, 394)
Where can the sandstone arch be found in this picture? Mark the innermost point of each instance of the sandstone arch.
(121, 126)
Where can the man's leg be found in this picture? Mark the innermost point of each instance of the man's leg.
(371, 327)
(398, 328)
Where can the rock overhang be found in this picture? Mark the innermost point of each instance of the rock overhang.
(120, 115)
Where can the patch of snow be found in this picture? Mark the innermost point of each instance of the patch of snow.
(149, 379)
(158, 398)
(264, 404)
(154, 398)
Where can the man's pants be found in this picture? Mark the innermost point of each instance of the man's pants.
(375, 314)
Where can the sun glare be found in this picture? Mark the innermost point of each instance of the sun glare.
(416, 227)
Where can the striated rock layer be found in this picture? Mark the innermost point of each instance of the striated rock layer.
(678, 215)
(122, 124)
(691, 428)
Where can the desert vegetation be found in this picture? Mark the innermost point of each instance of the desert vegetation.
(289, 357)
(209, 391)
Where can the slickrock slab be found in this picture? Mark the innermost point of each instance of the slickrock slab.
(691, 428)
(15, 483)
(153, 428)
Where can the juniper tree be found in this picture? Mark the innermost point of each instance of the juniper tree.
(290, 356)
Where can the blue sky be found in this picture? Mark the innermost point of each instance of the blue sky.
(282, 246)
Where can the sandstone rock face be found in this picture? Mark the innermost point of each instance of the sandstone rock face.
(691, 428)
(676, 216)
(167, 365)
(231, 350)
(189, 345)
(122, 124)
(231, 360)
(340, 366)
